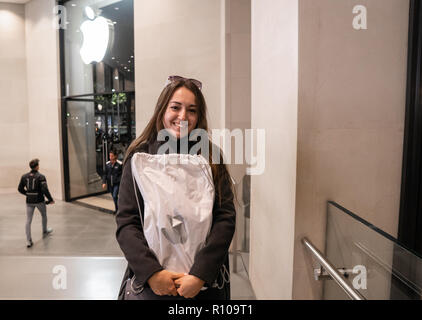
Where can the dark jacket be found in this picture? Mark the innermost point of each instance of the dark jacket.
(34, 186)
(113, 173)
(141, 259)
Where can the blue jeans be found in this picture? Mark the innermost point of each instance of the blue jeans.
(115, 194)
(30, 207)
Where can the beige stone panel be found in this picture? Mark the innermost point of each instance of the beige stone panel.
(241, 55)
(270, 231)
(351, 116)
(359, 73)
(240, 100)
(182, 38)
(315, 220)
(361, 170)
(14, 140)
(13, 105)
(44, 92)
(15, 147)
(240, 21)
(274, 56)
(237, 94)
(12, 31)
(174, 11)
(10, 176)
(306, 287)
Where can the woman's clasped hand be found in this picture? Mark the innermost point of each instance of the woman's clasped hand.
(171, 283)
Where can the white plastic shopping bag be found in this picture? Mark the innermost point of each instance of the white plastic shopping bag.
(178, 193)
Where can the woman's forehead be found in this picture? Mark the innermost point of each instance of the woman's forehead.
(183, 94)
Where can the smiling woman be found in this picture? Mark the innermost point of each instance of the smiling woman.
(181, 237)
(181, 112)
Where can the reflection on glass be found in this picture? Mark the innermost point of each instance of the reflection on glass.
(244, 221)
(87, 68)
(392, 272)
(95, 126)
(81, 126)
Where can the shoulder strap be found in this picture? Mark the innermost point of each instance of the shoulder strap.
(137, 200)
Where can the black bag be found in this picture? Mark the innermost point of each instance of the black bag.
(132, 292)
(143, 293)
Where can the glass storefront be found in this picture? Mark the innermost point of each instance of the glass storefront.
(98, 83)
(96, 125)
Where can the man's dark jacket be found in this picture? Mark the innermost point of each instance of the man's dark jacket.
(113, 173)
(142, 261)
(34, 186)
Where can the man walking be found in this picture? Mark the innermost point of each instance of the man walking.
(34, 186)
(112, 176)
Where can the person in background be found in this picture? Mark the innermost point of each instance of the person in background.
(34, 186)
(112, 176)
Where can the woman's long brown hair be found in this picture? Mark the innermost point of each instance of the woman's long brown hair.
(149, 135)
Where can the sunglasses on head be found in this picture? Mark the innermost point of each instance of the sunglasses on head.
(171, 79)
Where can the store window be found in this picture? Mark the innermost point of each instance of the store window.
(98, 86)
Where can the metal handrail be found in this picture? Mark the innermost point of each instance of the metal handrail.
(332, 271)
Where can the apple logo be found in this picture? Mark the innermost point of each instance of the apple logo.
(98, 36)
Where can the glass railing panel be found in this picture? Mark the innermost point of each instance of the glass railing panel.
(378, 266)
(61, 278)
